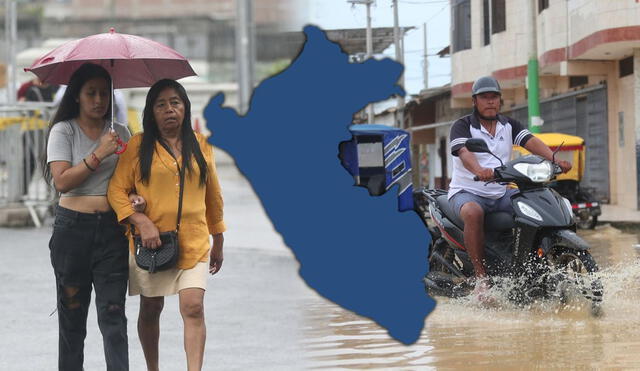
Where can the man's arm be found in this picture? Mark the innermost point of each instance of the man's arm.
(471, 163)
(537, 147)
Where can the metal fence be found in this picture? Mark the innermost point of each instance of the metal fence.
(23, 130)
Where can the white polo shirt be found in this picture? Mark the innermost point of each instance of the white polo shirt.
(508, 132)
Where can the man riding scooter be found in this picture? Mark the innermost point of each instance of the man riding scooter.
(471, 199)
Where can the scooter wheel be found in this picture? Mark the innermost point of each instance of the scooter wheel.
(578, 269)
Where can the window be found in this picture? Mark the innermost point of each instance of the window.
(498, 16)
(578, 81)
(542, 5)
(486, 22)
(626, 66)
(461, 30)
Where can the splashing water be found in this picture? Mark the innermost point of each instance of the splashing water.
(465, 334)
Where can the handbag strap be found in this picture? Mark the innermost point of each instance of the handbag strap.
(181, 170)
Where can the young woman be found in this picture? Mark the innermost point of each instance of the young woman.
(88, 245)
(151, 166)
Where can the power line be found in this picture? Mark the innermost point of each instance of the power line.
(435, 14)
(438, 12)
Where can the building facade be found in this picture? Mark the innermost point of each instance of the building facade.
(428, 117)
(284, 13)
(589, 64)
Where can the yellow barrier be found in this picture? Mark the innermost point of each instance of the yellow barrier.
(134, 123)
(26, 123)
(36, 123)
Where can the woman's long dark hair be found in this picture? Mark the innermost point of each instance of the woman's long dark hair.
(69, 107)
(151, 134)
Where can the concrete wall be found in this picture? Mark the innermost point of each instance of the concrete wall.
(623, 166)
(589, 16)
(282, 12)
(385, 118)
(552, 26)
(567, 30)
(506, 49)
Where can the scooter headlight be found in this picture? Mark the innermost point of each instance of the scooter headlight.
(529, 211)
(538, 173)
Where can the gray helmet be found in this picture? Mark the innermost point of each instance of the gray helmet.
(485, 84)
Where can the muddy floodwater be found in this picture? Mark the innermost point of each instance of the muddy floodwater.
(461, 335)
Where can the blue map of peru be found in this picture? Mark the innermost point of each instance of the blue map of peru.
(357, 251)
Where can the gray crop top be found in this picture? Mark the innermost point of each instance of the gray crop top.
(67, 142)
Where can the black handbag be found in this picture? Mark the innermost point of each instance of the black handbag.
(165, 256)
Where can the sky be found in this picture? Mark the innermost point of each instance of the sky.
(335, 14)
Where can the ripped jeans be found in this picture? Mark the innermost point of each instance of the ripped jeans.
(90, 249)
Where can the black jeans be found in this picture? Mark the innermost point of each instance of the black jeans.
(90, 249)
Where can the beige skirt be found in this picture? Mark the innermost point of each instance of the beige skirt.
(165, 283)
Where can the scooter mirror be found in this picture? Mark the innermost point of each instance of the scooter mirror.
(477, 145)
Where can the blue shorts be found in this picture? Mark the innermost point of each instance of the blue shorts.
(489, 205)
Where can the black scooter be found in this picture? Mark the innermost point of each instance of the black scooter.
(537, 247)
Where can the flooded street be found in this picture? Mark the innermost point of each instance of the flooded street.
(460, 334)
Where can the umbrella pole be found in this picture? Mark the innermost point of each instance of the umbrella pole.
(122, 145)
(112, 98)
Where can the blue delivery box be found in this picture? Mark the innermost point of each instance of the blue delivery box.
(378, 158)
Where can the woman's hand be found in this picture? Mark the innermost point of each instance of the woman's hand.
(108, 145)
(149, 234)
(216, 256)
(138, 203)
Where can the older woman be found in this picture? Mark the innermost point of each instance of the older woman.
(151, 166)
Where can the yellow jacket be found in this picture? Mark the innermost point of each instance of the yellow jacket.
(201, 206)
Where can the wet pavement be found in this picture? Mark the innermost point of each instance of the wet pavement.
(261, 315)
(461, 335)
(254, 307)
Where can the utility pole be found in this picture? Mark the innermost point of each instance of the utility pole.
(399, 59)
(369, 38)
(11, 38)
(112, 12)
(535, 121)
(425, 59)
(245, 52)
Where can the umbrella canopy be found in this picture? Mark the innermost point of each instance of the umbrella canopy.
(132, 61)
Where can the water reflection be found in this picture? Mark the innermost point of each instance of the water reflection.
(459, 334)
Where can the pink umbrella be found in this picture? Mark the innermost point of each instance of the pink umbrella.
(132, 61)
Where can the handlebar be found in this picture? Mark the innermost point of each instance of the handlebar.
(495, 175)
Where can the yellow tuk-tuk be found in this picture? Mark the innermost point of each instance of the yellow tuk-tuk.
(572, 148)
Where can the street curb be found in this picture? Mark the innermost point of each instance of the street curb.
(15, 215)
(625, 226)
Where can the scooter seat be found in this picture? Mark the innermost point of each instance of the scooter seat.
(498, 221)
(443, 204)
